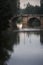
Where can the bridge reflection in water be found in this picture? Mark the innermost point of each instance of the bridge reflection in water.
(26, 30)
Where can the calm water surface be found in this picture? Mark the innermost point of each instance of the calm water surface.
(28, 49)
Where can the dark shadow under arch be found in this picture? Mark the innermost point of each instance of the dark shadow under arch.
(34, 22)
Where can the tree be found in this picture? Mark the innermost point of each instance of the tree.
(8, 8)
(5, 14)
(14, 5)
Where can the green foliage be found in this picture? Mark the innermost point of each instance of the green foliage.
(5, 14)
(8, 8)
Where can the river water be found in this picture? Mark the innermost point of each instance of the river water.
(27, 49)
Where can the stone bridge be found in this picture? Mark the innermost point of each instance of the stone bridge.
(26, 18)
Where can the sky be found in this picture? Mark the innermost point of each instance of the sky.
(32, 2)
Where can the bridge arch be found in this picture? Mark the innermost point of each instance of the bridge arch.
(34, 21)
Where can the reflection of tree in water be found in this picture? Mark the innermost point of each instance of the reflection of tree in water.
(7, 40)
(41, 37)
(37, 33)
(29, 33)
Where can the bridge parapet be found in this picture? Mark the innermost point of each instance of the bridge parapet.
(32, 15)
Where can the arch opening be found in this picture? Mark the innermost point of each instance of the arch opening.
(35, 22)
